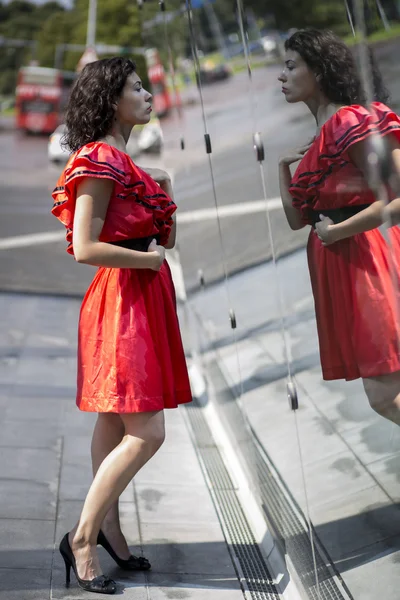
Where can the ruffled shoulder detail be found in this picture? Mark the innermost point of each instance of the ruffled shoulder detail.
(97, 160)
(353, 124)
(328, 155)
(153, 197)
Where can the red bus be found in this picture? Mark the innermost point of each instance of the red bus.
(41, 97)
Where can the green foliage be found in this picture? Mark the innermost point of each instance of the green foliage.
(20, 20)
(304, 13)
(329, 14)
(154, 36)
(121, 23)
(51, 25)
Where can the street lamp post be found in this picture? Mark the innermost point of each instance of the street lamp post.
(91, 24)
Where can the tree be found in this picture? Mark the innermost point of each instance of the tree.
(117, 24)
(57, 29)
(20, 20)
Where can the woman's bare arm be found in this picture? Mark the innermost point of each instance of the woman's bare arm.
(373, 216)
(292, 214)
(164, 181)
(393, 209)
(166, 186)
(93, 197)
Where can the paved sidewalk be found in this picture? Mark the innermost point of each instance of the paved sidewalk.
(167, 513)
(350, 455)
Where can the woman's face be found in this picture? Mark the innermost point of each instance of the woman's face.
(299, 83)
(134, 105)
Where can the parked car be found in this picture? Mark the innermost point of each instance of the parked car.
(149, 140)
(210, 73)
(57, 153)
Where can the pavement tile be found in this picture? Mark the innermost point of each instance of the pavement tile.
(333, 478)
(46, 391)
(177, 439)
(374, 441)
(24, 499)
(9, 366)
(35, 406)
(356, 521)
(184, 548)
(272, 343)
(38, 465)
(387, 474)
(171, 468)
(373, 572)
(38, 368)
(20, 433)
(242, 361)
(26, 544)
(76, 448)
(344, 404)
(25, 584)
(314, 431)
(166, 586)
(75, 421)
(156, 504)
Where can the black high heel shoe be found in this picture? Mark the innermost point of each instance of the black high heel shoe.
(101, 584)
(133, 563)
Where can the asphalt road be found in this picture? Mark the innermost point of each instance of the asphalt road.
(27, 178)
(234, 110)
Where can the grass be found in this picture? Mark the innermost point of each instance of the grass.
(382, 35)
(8, 112)
(239, 64)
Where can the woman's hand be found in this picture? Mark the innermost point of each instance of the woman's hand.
(296, 155)
(159, 176)
(159, 254)
(326, 231)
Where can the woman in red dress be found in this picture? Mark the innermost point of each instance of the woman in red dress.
(131, 363)
(354, 273)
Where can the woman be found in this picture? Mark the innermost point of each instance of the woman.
(131, 363)
(353, 271)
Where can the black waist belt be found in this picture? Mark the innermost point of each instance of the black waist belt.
(140, 244)
(337, 214)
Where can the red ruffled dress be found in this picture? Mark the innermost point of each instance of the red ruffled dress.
(130, 353)
(354, 281)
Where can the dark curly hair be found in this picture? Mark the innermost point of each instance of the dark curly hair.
(328, 56)
(90, 109)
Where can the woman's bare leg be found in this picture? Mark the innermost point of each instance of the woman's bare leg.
(383, 393)
(144, 434)
(108, 433)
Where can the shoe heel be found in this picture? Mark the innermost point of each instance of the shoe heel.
(67, 570)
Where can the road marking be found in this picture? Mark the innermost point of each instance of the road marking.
(32, 239)
(183, 218)
(228, 210)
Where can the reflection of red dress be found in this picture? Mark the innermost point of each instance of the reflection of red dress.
(356, 302)
(130, 354)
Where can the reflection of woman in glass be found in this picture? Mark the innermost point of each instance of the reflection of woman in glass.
(355, 296)
(131, 364)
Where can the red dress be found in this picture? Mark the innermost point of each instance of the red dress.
(355, 280)
(130, 354)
